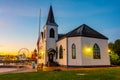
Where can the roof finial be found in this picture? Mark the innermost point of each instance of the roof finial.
(50, 2)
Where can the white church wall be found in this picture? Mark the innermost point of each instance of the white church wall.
(51, 42)
(48, 27)
(64, 60)
(87, 56)
(78, 60)
(43, 51)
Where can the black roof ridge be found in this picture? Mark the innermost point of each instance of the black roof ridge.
(85, 31)
(95, 31)
(73, 30)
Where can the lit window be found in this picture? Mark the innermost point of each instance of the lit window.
(73, 51)
(96, 52)
(52, 33)
(61, 52)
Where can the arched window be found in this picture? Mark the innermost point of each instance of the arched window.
(73, 51)
(52, 33)
(56, 52)
(96, 52)
(61, 52)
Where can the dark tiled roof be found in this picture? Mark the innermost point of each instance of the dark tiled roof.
(50, 18)
(51, 50)
(85, 31)
(60, 36)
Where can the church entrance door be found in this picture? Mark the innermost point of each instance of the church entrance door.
(50, 56)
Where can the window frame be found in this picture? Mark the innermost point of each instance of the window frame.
(96, 52)
(56, 52)
(73, 48)
(60, 52)
(52, 33)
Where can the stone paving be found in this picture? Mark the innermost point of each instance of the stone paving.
(16, 70)
(7, 69)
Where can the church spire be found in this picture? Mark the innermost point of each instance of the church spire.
(50, 18)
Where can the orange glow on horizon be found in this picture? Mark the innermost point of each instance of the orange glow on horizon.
(13, 50)
(9, 53)
(13, 53)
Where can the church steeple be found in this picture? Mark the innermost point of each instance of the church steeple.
(50, 18)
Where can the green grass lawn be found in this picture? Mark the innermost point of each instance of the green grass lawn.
(100, 74)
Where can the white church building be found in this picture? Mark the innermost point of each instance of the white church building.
(82, 46)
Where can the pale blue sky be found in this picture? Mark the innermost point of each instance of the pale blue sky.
(19, 19)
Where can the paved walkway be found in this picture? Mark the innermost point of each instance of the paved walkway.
(16, 69)
(29, 69)
(2, 70)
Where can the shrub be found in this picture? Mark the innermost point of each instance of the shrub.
(114, 59)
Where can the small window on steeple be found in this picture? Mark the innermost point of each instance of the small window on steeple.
(52, 33)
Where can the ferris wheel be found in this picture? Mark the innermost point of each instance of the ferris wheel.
(23, 54)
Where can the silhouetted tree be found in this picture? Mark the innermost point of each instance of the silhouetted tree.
(115, 52)
(114, 58)
(111, 45)
(116, 47)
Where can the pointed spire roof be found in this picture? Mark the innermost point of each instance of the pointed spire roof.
(50, 18)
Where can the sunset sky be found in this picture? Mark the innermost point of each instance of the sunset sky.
(19, 19)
